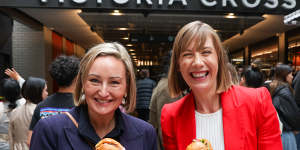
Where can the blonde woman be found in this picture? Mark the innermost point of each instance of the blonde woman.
(105, 80)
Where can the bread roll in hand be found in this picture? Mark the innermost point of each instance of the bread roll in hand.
(109, 144)
(199, 144)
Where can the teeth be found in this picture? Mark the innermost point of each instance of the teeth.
(199, 75)
(102, 101)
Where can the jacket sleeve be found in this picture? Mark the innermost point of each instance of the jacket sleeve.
(151, 139)
(169, 139)
(43, 137)
(268, 124)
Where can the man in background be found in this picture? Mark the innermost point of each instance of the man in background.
(64, 71)
(144, 92)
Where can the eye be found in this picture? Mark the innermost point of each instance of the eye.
(206, 52)
(185, 54)
(94, 80)
(115, 82)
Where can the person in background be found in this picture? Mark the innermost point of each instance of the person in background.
(145, 87)
(231, 117)
(284, 102)
(64, 71)
(252, 77)
(12, 99)
(159, 98)
(12, 73)
(105, 80)
(296, 87)
(34, 90)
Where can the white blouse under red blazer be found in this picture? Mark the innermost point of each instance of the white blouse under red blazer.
(249, 121)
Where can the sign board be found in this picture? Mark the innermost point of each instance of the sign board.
(205, 6)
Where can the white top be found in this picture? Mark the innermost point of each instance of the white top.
(210, 127)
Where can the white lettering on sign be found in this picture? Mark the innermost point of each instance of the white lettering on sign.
(271, 4)
(45, 1)
(249, 5)
(289, 5)
(233, 3)
(209, 4)
(160, 2)
(149, 2)
(79, 1)
(121, 1)
(183, 2)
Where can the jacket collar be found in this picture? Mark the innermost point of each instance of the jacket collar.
(87, 131)
(233, 124)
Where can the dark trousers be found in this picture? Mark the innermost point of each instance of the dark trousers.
(143, 114)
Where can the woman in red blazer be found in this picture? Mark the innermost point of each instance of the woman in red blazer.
(230, 117)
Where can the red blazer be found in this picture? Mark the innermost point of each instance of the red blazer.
(249, 121)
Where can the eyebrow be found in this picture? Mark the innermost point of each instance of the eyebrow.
(113, 77)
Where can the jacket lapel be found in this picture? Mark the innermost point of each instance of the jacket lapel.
(233, 124)
(186, 125)
(75, 140)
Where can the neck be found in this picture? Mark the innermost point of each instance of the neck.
(68, 89)
(207, 102)
(102, 124)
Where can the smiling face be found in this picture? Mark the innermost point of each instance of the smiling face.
(105, 85)
(199, 66)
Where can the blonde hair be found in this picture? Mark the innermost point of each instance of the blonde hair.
(107, 49)
(197, 32)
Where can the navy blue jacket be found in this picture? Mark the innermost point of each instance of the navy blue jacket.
(144, 92)
(59, 133)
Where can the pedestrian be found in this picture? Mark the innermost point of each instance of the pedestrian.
(252, 77)
(296, 87)
(12, 99)
(159, 98)
(285, 104)
(34, 90)
(105, 80)
(64, 71)
(144, 86)
(229, 116)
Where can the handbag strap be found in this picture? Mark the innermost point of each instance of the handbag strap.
(72, 118)
(76, 125)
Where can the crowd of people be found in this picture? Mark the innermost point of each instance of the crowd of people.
(200, 95)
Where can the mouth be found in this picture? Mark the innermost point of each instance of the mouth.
(102, 101)
(199, 74)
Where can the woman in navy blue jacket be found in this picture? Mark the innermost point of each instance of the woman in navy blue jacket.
(105, 81)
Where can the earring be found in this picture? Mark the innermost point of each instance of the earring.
(82, 98)
(124, 100)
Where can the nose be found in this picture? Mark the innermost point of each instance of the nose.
(197, 60)
(103, 90)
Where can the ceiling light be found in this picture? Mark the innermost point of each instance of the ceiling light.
(132, 54)
(122, 29)
(230, 15)
(131, 50)
(125, 38)
(116, 13)
(129, 45)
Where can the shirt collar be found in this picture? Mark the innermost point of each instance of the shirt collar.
(88, 132)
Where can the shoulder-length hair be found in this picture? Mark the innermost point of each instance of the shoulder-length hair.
(107, 49)
(197, 32)
(32, 89)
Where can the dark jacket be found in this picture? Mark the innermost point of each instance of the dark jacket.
(59, 133)
(288, 111)
(296, 86)
(144, 92)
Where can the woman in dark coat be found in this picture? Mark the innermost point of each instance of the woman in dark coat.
(282, 94)
(105, 80)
